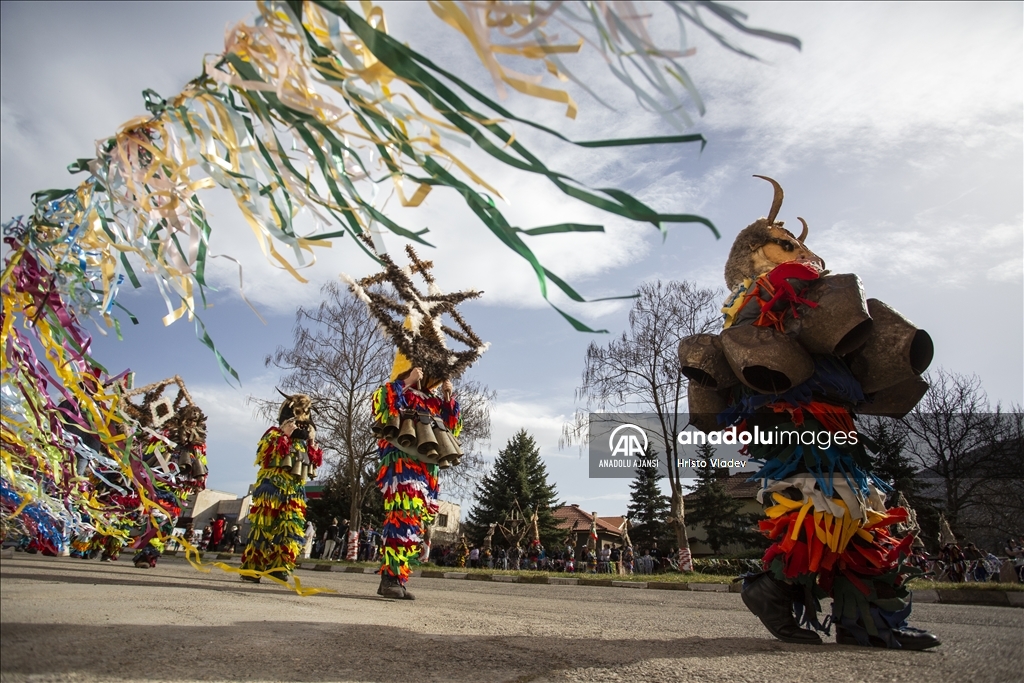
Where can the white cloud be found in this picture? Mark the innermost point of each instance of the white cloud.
(941, 252)
(606, 496)
(870, 77)
(540, 419)
(1009, 271)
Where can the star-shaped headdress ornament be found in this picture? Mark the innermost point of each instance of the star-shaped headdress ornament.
(413, 320)
(185, 421)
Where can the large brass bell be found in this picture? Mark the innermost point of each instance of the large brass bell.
(895, 401)
(407, 432)
(445, 445)
(190, 463)
(896, 350)
(703, 362)
(449, 451)
(391, 428)
(705, 404)
(426, 443)
(766, 360)
(840, 324)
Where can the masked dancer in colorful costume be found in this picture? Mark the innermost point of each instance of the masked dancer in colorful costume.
(801, 355)
(287, 456)
(169, 461)
(416, 416)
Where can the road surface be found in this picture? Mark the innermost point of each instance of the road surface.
(63, 619)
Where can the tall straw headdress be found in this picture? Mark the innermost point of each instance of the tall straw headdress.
(414, 320)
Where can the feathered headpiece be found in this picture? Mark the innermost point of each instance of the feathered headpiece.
(414, 321)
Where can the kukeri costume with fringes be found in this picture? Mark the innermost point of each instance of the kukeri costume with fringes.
(171, 466)
(278, 512)
(417, 429)
(803, 352)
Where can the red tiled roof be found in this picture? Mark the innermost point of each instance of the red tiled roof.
(569, 515)
(737, 486)
(617, 522)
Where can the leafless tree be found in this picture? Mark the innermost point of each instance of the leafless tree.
(640, 371)
(475, 401)
(970, 455)
(339, 357)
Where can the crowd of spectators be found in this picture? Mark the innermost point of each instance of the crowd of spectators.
(609, 559)
(951, 563)
(215, 536)
(971, 564)
(333, 543)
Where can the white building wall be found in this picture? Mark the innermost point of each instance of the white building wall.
(451, 514)
(203, 507)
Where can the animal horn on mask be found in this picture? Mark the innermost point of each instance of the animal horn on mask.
(776, 200)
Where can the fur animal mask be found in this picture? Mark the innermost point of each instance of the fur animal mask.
(298, 407)
(764, 244)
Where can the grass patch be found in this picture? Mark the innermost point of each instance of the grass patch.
(923, 584)
(668, 577)
(673, 577)
(695, 578)
(340, 563)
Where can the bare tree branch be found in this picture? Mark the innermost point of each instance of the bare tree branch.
(640, 369)
(339, 356)
(970, 456)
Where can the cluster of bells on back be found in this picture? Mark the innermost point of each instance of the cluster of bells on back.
(886, 353)
(422, 437)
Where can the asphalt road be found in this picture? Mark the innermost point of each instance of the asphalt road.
(70, 620)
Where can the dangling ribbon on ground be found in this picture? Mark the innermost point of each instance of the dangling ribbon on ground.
(193, 557)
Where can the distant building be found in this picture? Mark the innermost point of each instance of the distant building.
(736, 486)
(447, 526)
(618, 522)
(573, 521)
(209, 504)
(314, 491)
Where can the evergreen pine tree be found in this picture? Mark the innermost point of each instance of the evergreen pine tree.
(519, 475)
(892, 463)
(648, 507)
(714, 509)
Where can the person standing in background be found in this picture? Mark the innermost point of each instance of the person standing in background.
(307, 548)
(330, 540)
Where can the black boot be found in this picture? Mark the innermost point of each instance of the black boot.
(908, 638)
(915, 638)
(771, 601)
(392, 589)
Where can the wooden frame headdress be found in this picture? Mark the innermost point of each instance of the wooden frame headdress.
(413, 319)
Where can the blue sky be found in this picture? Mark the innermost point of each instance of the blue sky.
(896, 132)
